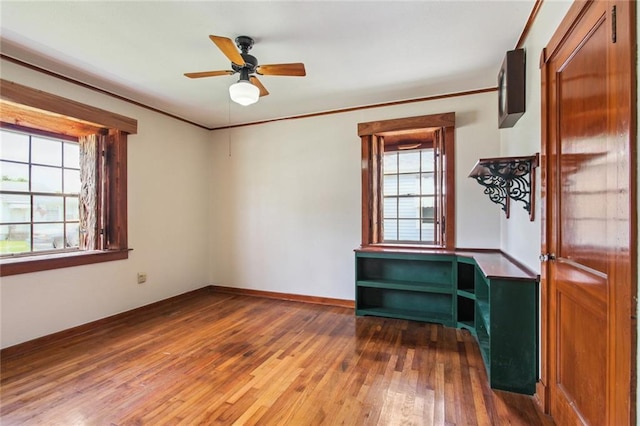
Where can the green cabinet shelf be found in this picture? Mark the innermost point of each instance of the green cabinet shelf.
(484, 293)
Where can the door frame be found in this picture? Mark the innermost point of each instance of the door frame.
(621, 400)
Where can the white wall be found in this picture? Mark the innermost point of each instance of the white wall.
(520, 236)
(169, 177)
(285, 198)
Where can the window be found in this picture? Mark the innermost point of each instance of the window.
(409, 193)
(63, 190)
(39, 193)
(408, 181)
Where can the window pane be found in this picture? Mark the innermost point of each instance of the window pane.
(72, 155)
(428, 184)
(48, 236)
(73, 235)
(46, 151)
(15, 177)
(390, 230)
(390, 185)
(14, 239)
(15, 208)
(409, 207)
(390, 208)
(390, 164)
(428, 232)
(72, 211)
(409, 230)
(409, 184)
(427, 160)
(14, 146)
(409, 161)
(46, 179)
(47, 209)
(71, 181)
(428, 208)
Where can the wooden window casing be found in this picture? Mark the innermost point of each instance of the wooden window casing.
(372, 145)
(40, 111)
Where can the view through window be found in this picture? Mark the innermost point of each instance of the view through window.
(409, 192)
(39, 193)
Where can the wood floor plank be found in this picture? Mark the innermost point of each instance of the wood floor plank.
(214, 358)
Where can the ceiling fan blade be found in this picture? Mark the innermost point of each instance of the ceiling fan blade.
(228, 48)
(256, 82)
(294, 70)
(207, 74)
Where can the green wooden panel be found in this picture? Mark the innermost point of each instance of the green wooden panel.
(425, 306)
(401, 270)
(514, 340)
(405, 285)
(466, 294)
(406, 256)
(484, 314)
(450, 290)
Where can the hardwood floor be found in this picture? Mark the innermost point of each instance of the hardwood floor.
(213, 358)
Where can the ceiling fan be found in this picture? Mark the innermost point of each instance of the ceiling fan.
(248, 88)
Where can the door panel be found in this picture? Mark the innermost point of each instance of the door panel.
(586, 184)
(581, 357)
(579, 279)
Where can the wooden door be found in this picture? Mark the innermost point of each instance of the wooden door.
(588, 100)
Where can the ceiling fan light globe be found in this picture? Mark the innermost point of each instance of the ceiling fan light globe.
(244, 93)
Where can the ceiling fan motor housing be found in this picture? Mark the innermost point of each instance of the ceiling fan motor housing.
(244, 43)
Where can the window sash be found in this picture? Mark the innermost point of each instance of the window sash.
(46, 225)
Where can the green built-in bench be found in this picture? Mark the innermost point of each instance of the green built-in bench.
(482, 291)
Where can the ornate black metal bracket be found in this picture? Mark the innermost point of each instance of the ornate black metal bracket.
(508, 178)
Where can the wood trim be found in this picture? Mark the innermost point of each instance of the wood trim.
(37, 131)
(116, 191)
(97, 89)
(295, 117)
(529, 24)
(380, 105)
(450, 182)
(541, 397)
(93, 326)
(32, 119)
(623, 350)
(342, 303)
(23, 95)
(545, 212)
(569, 21)
(377, 180)
(366, 189)
(447, 119)
(27, 264)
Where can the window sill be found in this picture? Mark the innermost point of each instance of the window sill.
(24, 265)
(408, 246)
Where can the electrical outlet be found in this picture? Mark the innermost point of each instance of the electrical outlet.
(142, 277)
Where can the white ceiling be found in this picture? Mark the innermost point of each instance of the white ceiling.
(356, 53)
